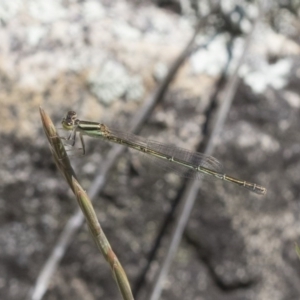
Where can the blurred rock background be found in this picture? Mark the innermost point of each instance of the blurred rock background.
(103, 59)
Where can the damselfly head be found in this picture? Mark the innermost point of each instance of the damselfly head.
(69, 121)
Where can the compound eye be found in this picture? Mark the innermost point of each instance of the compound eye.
(72, 115)
(69, 120)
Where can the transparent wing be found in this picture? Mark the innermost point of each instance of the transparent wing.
(193, 158)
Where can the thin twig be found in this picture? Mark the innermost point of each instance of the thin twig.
(63, 164)
(75, 222)
(193, 186)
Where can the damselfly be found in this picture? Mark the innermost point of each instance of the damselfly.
(183, 162)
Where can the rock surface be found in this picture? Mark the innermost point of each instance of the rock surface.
(103, 60)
